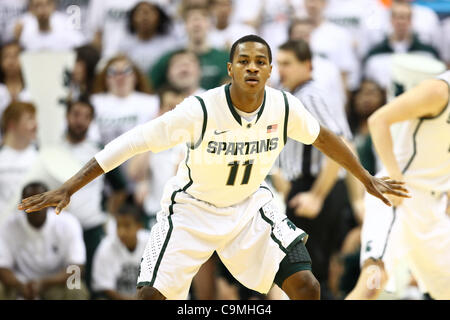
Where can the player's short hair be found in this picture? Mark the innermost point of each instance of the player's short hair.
(83, 99)
(250, 38)
(32, 188)
(13, 112)
(131, 209)
(300, 48)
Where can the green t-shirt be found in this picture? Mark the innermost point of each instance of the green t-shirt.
(213, 64)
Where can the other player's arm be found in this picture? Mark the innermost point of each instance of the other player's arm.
(332, 146)
(426, 99)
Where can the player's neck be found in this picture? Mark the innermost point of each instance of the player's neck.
(246, 102)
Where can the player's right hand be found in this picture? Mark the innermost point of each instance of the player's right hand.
(58, 198)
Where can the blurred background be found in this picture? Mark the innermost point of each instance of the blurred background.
(75, 74)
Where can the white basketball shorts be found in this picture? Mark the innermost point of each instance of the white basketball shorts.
(251, 238)
(417, 232)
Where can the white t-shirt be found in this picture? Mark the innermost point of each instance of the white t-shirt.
(115, 115)
(145, 53)
(115, 267)
(228, 157)
(36, 253)
(224, 39)
(14, 165)
(85, 204)
(62, 35)
(363, 19)
(10, 11)
(163, 166)
(110, 17)
(335, 43)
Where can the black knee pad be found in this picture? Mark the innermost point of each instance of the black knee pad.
(297, 259)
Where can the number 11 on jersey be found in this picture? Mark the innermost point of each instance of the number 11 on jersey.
(234, 169)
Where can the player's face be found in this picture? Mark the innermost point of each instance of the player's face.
(250, 67)
(78, 120)
(127, 228)
(292, 71)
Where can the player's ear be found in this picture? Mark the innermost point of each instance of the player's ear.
(229, 69)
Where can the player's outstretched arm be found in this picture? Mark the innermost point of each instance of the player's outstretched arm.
(331, 145)
(60, 197)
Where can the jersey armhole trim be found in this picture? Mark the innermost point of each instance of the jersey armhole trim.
(286, 116)
(205, 121)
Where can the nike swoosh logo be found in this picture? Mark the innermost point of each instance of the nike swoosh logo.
(220, 132)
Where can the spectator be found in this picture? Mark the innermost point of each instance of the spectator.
(225, 31)
(107, 21)
(10, 11)
(184, 72)
(83, 75)
(378, 62)
(212, 61)
(87, 205)
(424, 23)
(363, 19)
(333, 42)
(12, 86)
(148, 32)
(77, 10)
(117, 260)
(151, 171)
(325, 73)
(44, 28)
(317, 199)
(367, 99)
(17, 153)
(122, 99)
(39, 252)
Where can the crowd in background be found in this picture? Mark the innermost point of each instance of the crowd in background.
(136, 60)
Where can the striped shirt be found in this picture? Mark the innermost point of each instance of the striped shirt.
(298, 159)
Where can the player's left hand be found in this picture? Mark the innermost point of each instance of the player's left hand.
(306, 204)
(377, 186)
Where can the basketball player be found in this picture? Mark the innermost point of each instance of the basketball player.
(417, 229)
(218, 200)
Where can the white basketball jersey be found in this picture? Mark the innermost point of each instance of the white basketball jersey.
(227, 156)
(233, 156)
(422, 149)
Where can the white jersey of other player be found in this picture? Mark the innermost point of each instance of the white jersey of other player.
(228, 157)
(115, 267)
(422, 149)
(35, 253)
